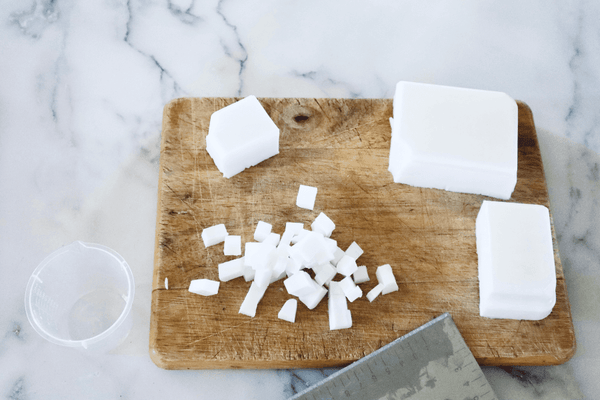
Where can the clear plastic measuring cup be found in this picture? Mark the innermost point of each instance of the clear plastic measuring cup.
(81, 296)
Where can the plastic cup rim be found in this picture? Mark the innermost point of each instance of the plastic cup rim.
(85, 343)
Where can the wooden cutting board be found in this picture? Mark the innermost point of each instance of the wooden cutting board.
(341, 146)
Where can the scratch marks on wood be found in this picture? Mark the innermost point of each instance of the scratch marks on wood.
(219, 333)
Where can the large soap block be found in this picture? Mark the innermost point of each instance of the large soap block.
(457, 139)
(240, 136)
(517, 276)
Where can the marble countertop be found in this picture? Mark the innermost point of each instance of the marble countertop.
(82, 88)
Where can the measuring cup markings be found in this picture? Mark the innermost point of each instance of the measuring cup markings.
(93, 304)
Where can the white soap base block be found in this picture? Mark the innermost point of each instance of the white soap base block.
(457, 139)
(516, 269)
(240, 136)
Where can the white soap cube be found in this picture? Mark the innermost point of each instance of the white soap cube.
(323, 224)
(354, 294)
(262, 231)
(386, 277)
(249, 273)
(517, 273)
(354, 250)
(294, 227)
(360, 275)
(273, 239)
(277, 275)
(335, 289)
(376, 291)
(292, 267)
(214, 235)
(259, 255)
(351, 291)
(204, 287)
(279, 266)
(233, 245)
(288, 311)
(312, 299)
(462, 140)
(299, 284)
(251, 251)
(347, 284)
(347, 265)
(339, 315)
(325, 274)
(291, 230)
(241, 135)
(331, 245)
(337, 255)
(231, 269)
(262, 277)
(300, 235)
(253, 297)
(312, 248)
(306, 197)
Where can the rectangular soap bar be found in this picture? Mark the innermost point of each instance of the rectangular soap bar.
(457, 139)
(517, 276)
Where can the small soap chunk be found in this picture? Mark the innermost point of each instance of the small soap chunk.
(291, 230)
(323, 224)
(354, 250)
(233, 245)
(231, 269)
(457, 139)
(339, 315)
(262, 231)
(273, 239)
(347, 265)
(214, 235)
(251, 251)
(259, 255)
(313, 248)
(167, 283)
(262, 277)
(292, 267)
(373, 293)
(205, 287)
(241, 135)
(300, 284)
(312, 299)
(278, 272)
(249, 273)
(306, 197)
(253, 297)
(325, 274)
(351, 291)
(517, 275)
(361, 275)
(300, 235)
(337, 255)
(288, 311)
(385, 276)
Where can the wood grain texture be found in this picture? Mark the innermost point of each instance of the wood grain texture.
(340, 146)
